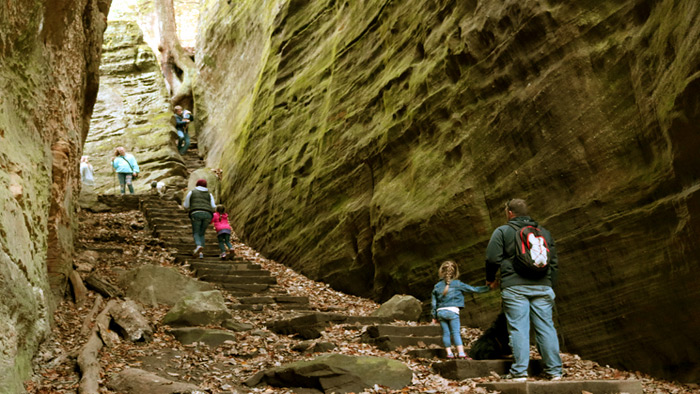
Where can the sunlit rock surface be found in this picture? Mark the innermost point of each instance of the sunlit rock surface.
(364, 142)
(49, 59)
(133, 111)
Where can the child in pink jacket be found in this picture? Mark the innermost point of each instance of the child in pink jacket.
(223, 230)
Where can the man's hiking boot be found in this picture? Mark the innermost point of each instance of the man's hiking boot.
(197, 250)
(223, 256)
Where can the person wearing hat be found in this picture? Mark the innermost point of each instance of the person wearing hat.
(201, 206)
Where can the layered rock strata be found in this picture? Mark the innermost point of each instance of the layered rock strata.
(49, 59)
(363, 143)
(132, 110)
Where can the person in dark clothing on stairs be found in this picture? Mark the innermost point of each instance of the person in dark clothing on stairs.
(526, 297)
(201, 207)
(182, 122)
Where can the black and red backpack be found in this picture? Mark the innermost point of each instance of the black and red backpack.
(532, 255)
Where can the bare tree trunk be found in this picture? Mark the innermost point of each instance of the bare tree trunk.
(178, 68)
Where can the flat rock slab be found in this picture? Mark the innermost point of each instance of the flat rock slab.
(467, 369)
(406, 331)
(391, 342)
(337, 373)
(566, 387)
(137, 381)
(210, 337)
(439, 353)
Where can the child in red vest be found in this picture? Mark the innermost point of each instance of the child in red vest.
(223, 230)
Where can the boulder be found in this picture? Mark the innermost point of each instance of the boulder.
(130, 322)
(137, 381)
(337, 373)
(198, 309)
(151, 284)
(400, 307)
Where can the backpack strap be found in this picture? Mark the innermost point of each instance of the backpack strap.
(127, 162)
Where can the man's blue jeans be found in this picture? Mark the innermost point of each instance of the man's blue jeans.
(200, 221)
(183, 141)
(525, 303)
(449, 321)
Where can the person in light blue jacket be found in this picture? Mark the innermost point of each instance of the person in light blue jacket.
(447, 299)
(126, 167)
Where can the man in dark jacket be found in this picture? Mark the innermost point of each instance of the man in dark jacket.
(524, 299)
(182, 121)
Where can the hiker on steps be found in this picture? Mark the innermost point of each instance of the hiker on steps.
(223, 230)
(447, 299)
(527, 258)
(182, 121)
(201, 207)
(126, 167)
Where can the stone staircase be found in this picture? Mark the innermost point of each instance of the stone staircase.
(254, 288)
(191, 158)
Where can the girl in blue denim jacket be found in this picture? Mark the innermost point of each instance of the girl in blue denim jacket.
(446, 301)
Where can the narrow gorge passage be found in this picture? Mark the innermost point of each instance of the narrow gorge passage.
(140, 247)
(357, 145)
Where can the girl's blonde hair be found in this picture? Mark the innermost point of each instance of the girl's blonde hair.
(448, 271)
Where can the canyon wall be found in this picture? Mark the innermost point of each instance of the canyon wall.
(49, 59)
(132, 110)
(364, 142)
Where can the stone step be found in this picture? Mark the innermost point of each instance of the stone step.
(233, 279)
(173, 228)
(565, 387)
(459, 369)
(224, 265)
(261, 307)
(182, 242)
(183, 239)
(406, 331)
(310, 325)
(209, 257)
(159, 222)
(391, 342)
(165, 214)
(252, 288)
(214, 273)
(438, 353)
(280, 299)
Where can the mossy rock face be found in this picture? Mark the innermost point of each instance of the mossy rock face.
(48, 72)
(363, 143)
(133, 111)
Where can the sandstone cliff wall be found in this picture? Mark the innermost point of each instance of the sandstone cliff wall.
(132, 110)
(364, 142)
(49, 58)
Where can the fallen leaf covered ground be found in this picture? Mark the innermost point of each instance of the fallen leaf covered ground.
(111, 243)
